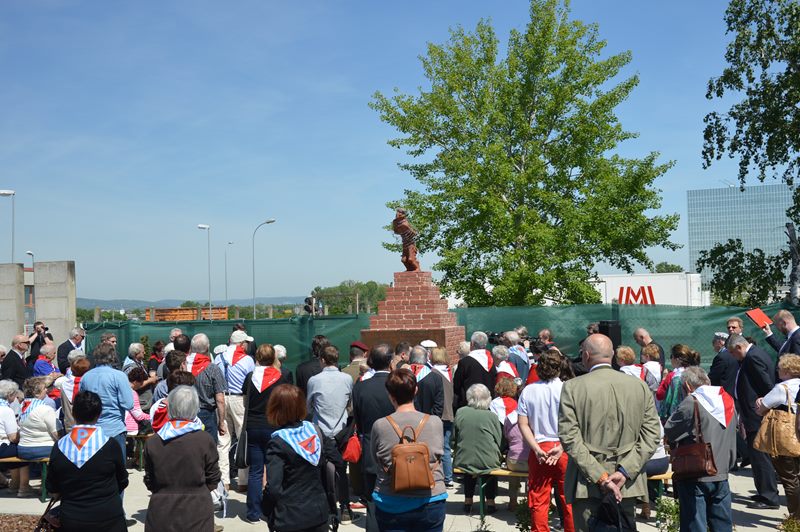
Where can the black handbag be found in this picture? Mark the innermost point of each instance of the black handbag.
(240, 459)
(609, 517)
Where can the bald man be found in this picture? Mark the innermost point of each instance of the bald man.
(643, 338)
(13, 366)
(787, 325)
(608, 425)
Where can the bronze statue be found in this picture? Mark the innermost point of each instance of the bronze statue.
(402, 227)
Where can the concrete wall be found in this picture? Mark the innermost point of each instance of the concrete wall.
(12, 299)
(54, 293)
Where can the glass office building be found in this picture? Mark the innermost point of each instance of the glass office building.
(756, 215)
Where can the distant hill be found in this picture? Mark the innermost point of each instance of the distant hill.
(90, 303)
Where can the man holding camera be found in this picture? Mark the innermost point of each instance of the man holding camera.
(37, 339)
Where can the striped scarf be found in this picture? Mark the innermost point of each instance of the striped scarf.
(303, 440)
(28, 406)
(82, 443)
(420, 371)
(178, 427)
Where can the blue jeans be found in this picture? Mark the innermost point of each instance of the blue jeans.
(447, 457)
(34, 453)
(209, 419)
(705, 506)
(257, 441)
(426, 518)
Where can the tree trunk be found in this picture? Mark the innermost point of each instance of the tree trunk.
(794, 275)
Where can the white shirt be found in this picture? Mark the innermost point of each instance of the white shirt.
(539, 402)
(8, 424)
(36, 430)
(777, 396)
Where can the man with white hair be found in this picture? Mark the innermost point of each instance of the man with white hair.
(236, 364)
(476, 368)
(280, 354)
(135, 359)
(75, 341)
(429, 398)
(210, 385)
(517, 355)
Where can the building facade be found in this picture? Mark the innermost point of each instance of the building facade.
(756, 216)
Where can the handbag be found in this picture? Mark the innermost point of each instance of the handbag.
(48, 522)
(693, 460)
(352, 449)
(410, 468)
(776, 436)
(609, 517)
(240, 460)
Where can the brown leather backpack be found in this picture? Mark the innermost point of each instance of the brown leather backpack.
(410, 468)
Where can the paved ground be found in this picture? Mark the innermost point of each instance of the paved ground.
(136, 499)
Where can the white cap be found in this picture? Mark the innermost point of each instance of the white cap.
(240, 336)
(428, 344)
(280, 351)
(170, 347)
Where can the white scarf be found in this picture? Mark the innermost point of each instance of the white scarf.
(483, 357)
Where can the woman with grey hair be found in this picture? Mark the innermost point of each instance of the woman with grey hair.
(9, 430)
(37, 423)
(181, 468)
(478, 434)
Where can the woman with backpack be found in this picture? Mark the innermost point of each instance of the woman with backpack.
(409, 494)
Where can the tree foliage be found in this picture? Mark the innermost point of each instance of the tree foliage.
(521, 192)
(763, 66)
(666, 267)
(341, 299)
(744, 279)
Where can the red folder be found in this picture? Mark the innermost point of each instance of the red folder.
(758, 317)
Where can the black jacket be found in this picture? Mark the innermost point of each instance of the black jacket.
(294, 498)
(791, 345)
(430, 394)
(756, 379)
(370, 403)
(13, 368)
(61, 356)
(305, 371)
(469, 372)
(723, 371)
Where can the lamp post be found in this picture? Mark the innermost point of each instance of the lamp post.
(207, 228)
(13, 194)
(33, 292)
(268, 221)
(226, 273)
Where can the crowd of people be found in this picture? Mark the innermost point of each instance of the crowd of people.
(393, 430)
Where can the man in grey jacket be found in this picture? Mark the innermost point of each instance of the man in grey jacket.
(705, 502)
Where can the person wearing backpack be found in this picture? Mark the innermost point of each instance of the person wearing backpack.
(408, 446)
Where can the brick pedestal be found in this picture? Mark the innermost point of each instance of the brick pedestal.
(414, 311)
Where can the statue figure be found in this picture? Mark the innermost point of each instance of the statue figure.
(402, 227)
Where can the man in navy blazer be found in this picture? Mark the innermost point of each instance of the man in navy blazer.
(786, 324)
(756, 377)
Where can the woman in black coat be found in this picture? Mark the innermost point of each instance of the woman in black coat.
(294, 499)
(88, 473)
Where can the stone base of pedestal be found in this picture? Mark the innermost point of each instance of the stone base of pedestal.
(414, 311)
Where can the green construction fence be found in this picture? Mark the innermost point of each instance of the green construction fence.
(668, 325)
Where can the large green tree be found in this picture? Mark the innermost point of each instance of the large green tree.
(521, 191)
(342, 299)
(762, 127)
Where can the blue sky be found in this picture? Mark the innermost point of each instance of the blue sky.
(125, 124)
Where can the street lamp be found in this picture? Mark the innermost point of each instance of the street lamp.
(33, 292)
(226, 273)
(13, 194)
(207, 228)
(268, 221)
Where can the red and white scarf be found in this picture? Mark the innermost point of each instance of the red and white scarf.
(264, 377)
(445, 370)
(82, 443)
(233, 354)
(533, 375)
(502, 407)
(71, 387)
(717, 402)
(196, 363)
(484, 358)
(158, 414)
(507, 370)
(634, 370)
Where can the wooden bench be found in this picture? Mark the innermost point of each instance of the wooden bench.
(500, 472)
(43, 461)
(138, 448)
(665, 478)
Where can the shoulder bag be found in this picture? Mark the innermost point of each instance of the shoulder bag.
(693, 460)
(776, 436)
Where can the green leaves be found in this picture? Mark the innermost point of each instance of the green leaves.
(520, 192)
(743, 279)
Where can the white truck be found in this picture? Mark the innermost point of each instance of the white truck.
(653, 289)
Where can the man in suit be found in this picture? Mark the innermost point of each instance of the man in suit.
(756, 377)
(309, 368)
(475, 368)
(75, 341)
(786, 324)
(724, 367)
(430, 388)
(608, 425)
(370, 403)
(13, 366)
